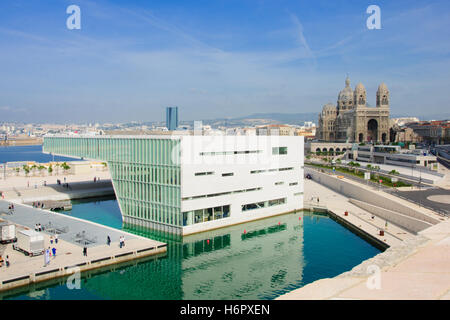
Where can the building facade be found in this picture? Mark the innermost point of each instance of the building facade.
(189, 184)
(172, 118)
(352, 120)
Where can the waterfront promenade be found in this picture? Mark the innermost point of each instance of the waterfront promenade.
(357, 219)
(22, 190)
(415, 266)
(25, 270)
(416, 269)
(21, 182)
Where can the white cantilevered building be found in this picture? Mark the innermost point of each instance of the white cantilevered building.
(189, 184)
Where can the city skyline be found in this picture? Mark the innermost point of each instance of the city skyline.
(131, 60)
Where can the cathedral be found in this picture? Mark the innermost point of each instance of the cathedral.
(352, 120)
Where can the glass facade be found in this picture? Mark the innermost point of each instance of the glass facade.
(145, 172)
(172, 118)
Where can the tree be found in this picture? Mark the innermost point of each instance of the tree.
(33, 169)
(26, 168)
(394, 172)
(65, 167)
(50, 170)
(41, 168)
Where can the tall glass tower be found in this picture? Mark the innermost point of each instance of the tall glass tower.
(172, 118)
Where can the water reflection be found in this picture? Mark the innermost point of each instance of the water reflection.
(256, 260)
(249, 261)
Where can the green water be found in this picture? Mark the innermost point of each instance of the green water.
(273, 256)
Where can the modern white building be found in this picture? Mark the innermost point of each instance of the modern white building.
(189, 184)
(394, 155)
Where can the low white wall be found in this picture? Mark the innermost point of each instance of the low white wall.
(403, 221)
(353, 191)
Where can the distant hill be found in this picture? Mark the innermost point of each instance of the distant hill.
(284, 117)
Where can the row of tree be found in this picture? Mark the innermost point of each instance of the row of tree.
(40, 168)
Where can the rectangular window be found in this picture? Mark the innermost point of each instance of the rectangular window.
(229, 174)
(277, 202)
(279, 183)
(279, 150)
(293, 183)
(252, 206)
(204, 173)
(219, 194)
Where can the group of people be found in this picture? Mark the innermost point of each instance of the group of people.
(96, 179)
(38, 227)
(38, 204)
(48, 254)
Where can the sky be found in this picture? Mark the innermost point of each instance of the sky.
(217, 59)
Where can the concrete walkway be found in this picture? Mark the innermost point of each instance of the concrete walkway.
(20, 182)
(55, 192)
(417, 268)
(359, 218)
(69, 250)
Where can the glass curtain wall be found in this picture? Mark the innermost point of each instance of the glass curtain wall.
(145, 172)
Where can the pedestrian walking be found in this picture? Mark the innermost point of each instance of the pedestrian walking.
(54, 252)
(85, 251)
(51, 239)
(108, 241)
(56, 238)
(7, 261)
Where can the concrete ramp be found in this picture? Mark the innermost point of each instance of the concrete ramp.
(411, 224)
(362, 193)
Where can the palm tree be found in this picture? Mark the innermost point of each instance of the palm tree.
(65, 167)
(26, 168)
(41, 169)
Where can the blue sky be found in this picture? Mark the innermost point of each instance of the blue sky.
(214, 59)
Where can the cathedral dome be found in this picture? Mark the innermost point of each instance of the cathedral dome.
(346, 94)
